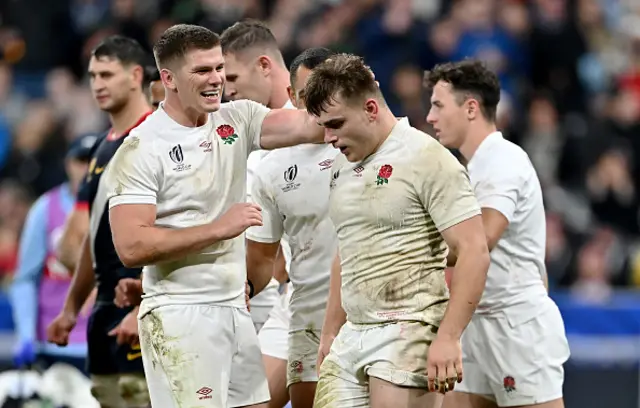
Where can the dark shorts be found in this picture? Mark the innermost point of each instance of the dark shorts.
(105, 356)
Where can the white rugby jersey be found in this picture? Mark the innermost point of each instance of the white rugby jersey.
(192, 176)
(292, 187)
(270, 294)
(504, 179)
(389, 211)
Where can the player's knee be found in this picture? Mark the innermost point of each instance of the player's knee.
(102, 389)
(133, 390)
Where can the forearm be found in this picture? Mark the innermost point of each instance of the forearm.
(82, 283)
(152, 245)
(260, 274)
(69, 251)
(467, 285)
(335, 316)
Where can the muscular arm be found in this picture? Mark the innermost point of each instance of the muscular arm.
(467, 240)
(289, 127)
(70, 244)
(139, 242)
(82, 283)
(261, 263)
(335, 316)
(494, 226)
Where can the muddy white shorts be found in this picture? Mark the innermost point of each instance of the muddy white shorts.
(394, 352)
(204, 356)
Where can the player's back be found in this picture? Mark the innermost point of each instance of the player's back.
(195, 175)
(504, 178)
(388, 211)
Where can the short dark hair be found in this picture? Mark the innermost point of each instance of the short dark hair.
(309, 58)
(247, 34)
(126, 50)
(343, 75)
(179, 39)
(468, 78)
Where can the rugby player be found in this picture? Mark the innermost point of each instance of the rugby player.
(399, 201)
(177, 197)
(515, 345)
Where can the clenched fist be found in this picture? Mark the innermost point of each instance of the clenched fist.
(237, 219)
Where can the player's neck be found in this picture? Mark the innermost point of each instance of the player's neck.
(475, 137)
(386, 122)
(279, 94)
(184, 117)
(129, 115)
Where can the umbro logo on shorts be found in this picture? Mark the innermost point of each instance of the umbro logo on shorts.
(204, 393)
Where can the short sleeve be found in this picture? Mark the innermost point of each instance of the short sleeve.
(499, 190)
(272, 227)
(252, 115)
(132, 176)
(445, 189)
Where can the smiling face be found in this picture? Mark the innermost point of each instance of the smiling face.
(448, 115)
(198, 79)
(350, 127)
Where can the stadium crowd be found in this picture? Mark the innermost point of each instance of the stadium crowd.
(570, 71)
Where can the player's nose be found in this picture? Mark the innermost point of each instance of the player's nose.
(329, 137)
(431, 118)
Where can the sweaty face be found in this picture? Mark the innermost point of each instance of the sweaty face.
(297, 87)
(348, 128)
(447, 116)
(245, 80)
(200, 79)
(111, 83)
(156, 93)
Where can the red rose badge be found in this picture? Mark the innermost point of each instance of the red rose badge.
(383, 174)
(509, 384)
(227, 133)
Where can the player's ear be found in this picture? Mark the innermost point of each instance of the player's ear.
(168, 79)
(473, 109)
(137, 74)
(371, 108)
(264, 65)
(292, 96)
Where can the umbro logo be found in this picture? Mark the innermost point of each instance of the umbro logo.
(325, 164)
(204, 393)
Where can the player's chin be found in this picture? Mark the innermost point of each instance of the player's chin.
(209, 105)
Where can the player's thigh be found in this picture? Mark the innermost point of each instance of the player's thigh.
(459, 399)
(303, 354)
(384, 394)
(276, 370)
(302, 394)
(525, 360)
(104, 389)
(336, 388)
(187, 351)
(248, 381)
